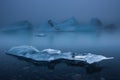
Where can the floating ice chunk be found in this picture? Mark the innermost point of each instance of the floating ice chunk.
(22, 50)
(52, 51)
(92, 58)
(52, 54)
(40, 35)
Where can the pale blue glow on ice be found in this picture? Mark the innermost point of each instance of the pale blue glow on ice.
(51, 54)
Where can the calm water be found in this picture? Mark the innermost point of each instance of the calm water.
(13, 68)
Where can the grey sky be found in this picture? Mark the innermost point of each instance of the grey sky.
(38, 11)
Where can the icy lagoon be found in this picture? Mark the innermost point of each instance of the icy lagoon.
(52, 52)
(99, 44)
(59, 39)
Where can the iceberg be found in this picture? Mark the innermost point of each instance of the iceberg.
(52, 55)
(70, 24)
(18, 27)
(87, 28)
(47, 26)
(96, 22)
(110, 28)
(40, 35)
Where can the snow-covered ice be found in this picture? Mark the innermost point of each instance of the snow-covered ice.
(52, 54)
(92, 58)
(51, 51)
(22, 50)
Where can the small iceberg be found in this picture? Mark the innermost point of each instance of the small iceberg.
(40, 35)
(52, 54)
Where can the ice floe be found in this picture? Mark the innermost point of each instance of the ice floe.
(40, 35)
(52, 54)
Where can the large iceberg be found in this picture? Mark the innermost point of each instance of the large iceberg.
(110, 28)
(66, 25)
(18, 28)
(96, 22)
(47, 26)
(52, 54)
(70, 24)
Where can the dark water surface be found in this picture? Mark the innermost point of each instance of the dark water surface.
(13, 68)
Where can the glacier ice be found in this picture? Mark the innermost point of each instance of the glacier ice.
(51, 51)
(110, 28)
(96, 22)
(52, 54)
(20, 27)
(70, 24)
(92, 58)
(40, 35)
(46, 26)
(22, 50)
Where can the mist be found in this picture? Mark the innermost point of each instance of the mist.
(39, 11)
(59, 39)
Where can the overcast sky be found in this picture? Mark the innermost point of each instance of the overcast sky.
(38, 11)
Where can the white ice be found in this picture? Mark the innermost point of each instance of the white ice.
(52, 54)
(21, 50)
(92, 58)
(51, 51)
